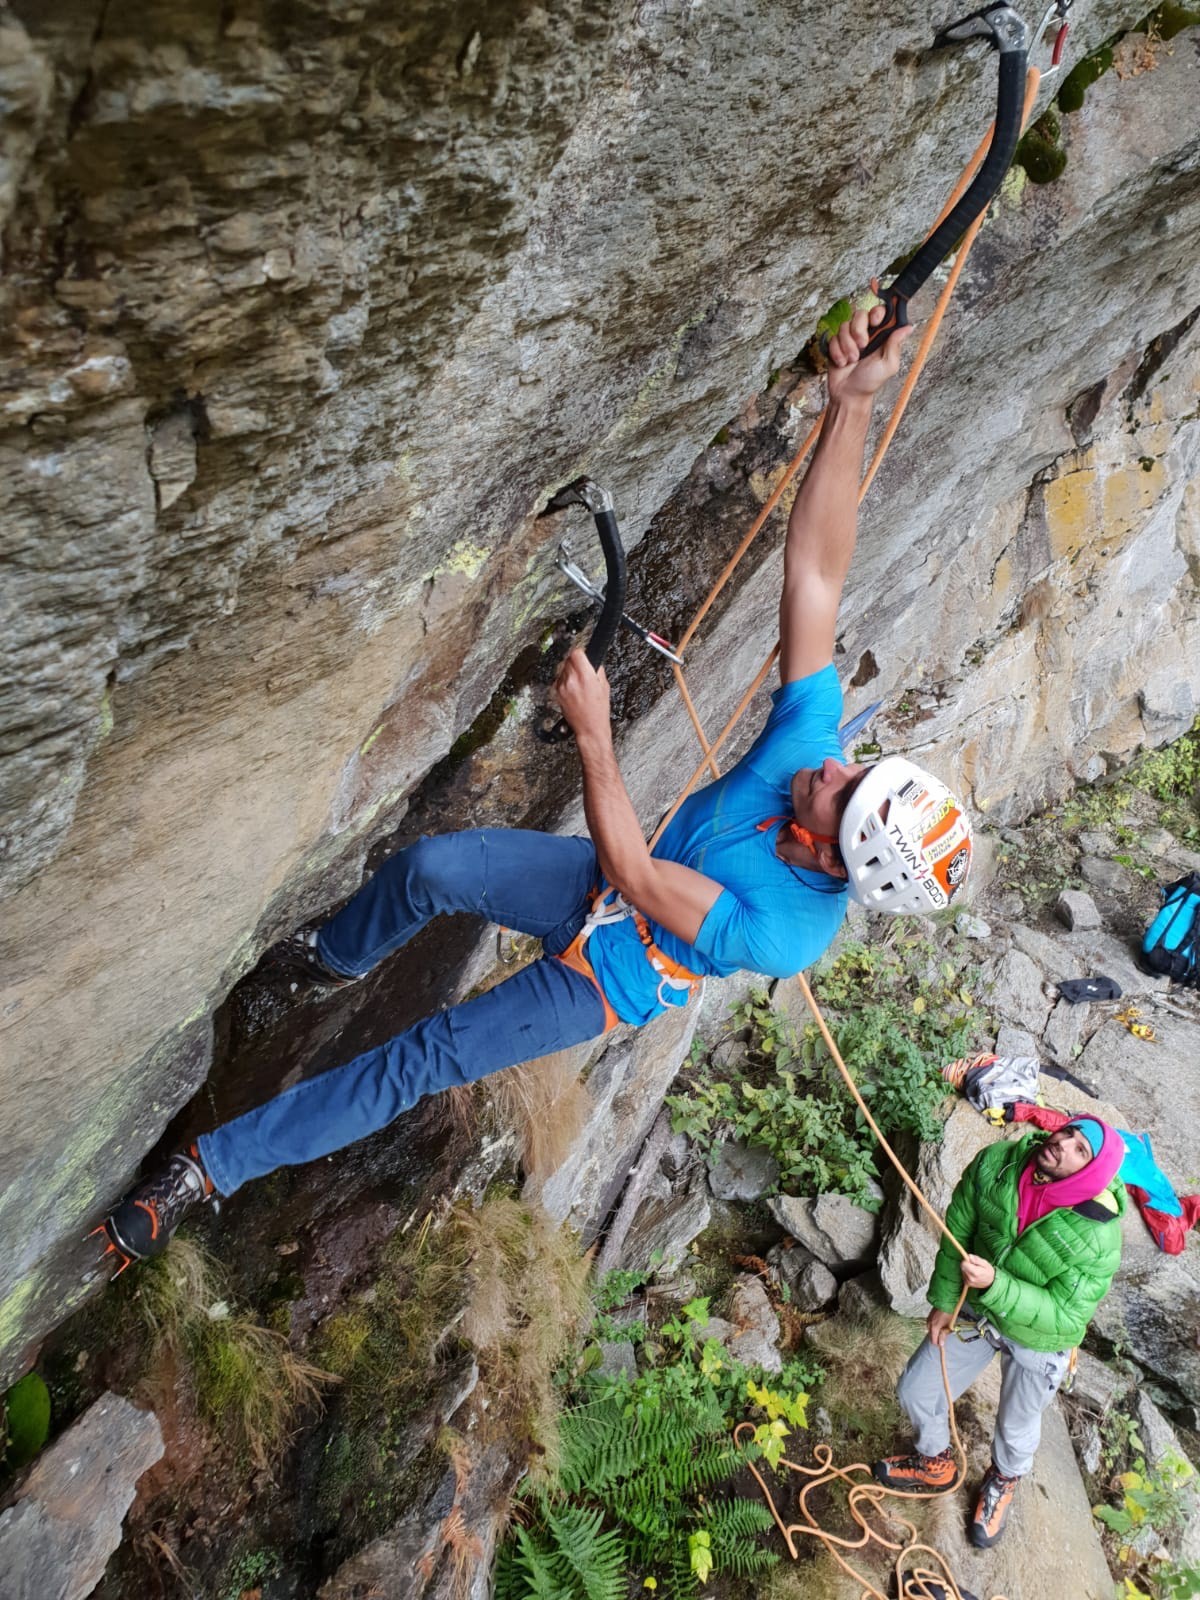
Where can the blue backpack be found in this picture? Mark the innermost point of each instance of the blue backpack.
(1170, 944)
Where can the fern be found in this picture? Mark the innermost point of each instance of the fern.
(635, 1457)
(592, 1562)
(738, 1519)
(527, 1573)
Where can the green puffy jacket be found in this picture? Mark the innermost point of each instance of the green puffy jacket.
(1050, 1280)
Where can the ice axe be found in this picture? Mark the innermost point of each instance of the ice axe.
(552, 727)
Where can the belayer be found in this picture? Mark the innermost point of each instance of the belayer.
(752, 872)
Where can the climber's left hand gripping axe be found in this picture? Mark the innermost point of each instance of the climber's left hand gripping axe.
(553, 728)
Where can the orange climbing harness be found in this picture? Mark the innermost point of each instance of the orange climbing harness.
(922, 1582)
(672, 975)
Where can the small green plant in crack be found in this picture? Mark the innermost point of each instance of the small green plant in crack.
(1149, 1497)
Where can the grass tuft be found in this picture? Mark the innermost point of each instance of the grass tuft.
(528, 1296)
(244, 1377)
(863, 1357)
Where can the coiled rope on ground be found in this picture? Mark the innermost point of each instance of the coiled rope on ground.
(865, 1496)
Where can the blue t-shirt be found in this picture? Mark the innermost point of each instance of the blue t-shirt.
(770, 917)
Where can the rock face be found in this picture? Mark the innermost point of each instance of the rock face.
(304, 314)
(625, 1087)
(56, 1539)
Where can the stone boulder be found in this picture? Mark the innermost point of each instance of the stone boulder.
(1077, 911)
(751, 1331)
(910, 1242)
(862, 1297)
(57, 1536)
(1108, 876)
(809, 1283)
(839, 1233)
(742, 1171)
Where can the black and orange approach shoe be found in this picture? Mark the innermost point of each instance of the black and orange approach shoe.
(917, 1472)
(142, 1225)
(991, 1509)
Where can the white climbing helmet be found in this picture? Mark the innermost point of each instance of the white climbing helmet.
(913, 857)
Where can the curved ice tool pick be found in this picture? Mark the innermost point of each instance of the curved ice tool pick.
(1000, 26)
(552, 727)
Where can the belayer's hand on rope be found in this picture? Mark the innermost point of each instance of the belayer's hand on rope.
(937, 1325)
(976, 1272)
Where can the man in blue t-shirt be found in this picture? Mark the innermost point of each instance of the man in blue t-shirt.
(752, 872)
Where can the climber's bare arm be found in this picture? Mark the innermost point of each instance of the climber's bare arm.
(672, 895)
(824, 519)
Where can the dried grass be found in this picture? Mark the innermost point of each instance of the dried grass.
(863, 1357)
(528, 1296)
(546, 1105)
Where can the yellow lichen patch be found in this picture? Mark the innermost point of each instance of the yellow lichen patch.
(1128, 493)
(464, 558)
(764, 484)
(1071, 511)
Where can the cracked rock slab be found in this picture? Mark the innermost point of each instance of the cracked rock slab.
(56, 1539)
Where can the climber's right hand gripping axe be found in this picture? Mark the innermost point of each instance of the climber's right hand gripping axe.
(1002, 27)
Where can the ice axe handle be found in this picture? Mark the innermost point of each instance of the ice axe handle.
(552, 730)
(895, 308)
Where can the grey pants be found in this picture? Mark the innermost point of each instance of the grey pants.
(1029, 1380)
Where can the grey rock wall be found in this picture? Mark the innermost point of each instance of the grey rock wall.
(305, 309)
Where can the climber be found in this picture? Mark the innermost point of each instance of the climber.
(1041, 1220)
(752, 872)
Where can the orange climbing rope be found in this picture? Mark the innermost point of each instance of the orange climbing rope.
(865, 1496)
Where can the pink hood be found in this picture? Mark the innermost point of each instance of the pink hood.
(1034, 1200)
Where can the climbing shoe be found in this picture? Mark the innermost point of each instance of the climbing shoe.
(917, 1472)
(142, 1225)
(299, 956)
(991, 1509)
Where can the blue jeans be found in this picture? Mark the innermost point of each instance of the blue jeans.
(532, 882)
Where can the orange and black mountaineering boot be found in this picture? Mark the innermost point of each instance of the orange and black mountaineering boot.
(142, 1225)
(917, 1472)
(991, 1509)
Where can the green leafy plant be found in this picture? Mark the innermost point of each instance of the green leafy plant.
(24, 1421)
(897, 1014)
(1149, 1496)
(640, 1466)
